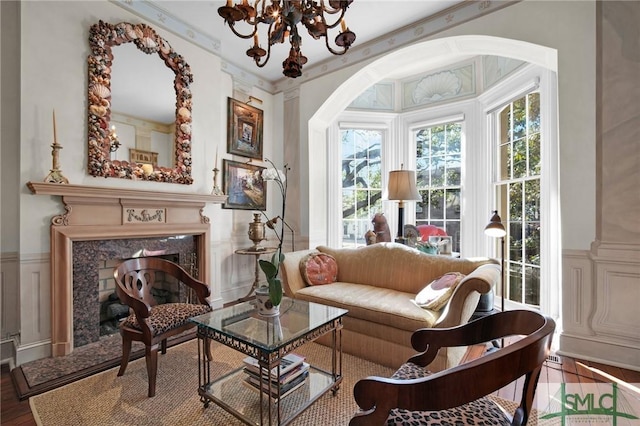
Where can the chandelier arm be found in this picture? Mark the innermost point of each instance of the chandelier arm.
(266, 58)
(255, 30)
(338, 21)
(335, 52)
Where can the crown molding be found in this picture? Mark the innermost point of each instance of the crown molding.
(405, 36)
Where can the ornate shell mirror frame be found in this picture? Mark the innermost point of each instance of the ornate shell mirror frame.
(102, 138)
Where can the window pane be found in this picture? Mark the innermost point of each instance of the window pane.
(515, 241)
(454, 168)
(439, 176)
(454, 138)
(515, 283)
(437, 140)
(437, 171)
(534, 154)
(436, 204)
(453, 203)
(519, 119)
(515, 201)
(534, 112)
(519, 159)
(532, 286)
(361, 182)
(532, 243)
(519, 170)
(505, 161)
(532, 200)
(505, 125)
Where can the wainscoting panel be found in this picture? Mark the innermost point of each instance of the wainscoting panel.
(577, 291)
(600, 294)
(10, 296)
(35, 309)
(618, 295)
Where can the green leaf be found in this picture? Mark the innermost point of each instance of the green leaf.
(269, 269)
(275, 291)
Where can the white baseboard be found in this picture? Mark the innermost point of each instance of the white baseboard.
(8, 353)
(610, 353)
(33, 351)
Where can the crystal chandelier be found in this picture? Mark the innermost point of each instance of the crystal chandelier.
(282, 18)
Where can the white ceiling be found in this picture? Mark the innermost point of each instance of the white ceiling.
(368, 19)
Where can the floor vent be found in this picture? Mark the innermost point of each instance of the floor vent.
(554, 358)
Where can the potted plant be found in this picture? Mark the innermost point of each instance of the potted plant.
(269, 297)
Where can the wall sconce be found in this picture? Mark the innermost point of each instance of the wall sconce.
(402, 187)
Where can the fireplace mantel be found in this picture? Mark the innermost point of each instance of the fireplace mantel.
(99, 213)
(67, 190)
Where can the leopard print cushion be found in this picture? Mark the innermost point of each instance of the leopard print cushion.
(480, 412)
(410, 370)
(167, 316)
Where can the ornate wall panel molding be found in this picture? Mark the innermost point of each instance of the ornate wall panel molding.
(617, 297)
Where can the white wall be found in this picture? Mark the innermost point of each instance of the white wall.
(524, 21)
(54, 76)
(599, 278)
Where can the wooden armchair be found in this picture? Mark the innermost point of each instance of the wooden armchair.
(415, 396)
(149, 322)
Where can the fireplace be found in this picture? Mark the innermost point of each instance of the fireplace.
(107, 217)
(93, 263)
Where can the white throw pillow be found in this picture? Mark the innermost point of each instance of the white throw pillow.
(436, 295)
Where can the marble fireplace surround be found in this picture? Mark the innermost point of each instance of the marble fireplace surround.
(97, 213)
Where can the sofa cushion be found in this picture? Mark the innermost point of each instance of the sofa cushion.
(393, 265)
(319, 268)
(436, 295)
(373, 304)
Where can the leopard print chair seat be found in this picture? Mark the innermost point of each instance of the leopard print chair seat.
(149, 322)
(456, 396)
(467, 414)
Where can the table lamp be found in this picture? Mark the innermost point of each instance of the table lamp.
(402, 187)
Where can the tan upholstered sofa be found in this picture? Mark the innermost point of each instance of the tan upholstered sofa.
(377, 284)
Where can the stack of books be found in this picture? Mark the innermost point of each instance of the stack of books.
(293, 374)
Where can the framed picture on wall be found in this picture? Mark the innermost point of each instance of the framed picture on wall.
(244, 186)
(244, 129)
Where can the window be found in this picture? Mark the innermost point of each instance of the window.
(361, 182)
(438, 177)
(518, 194)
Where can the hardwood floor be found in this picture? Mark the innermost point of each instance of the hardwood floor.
(13, 411)
(16, 412)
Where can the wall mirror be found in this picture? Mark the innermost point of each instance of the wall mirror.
(155, 126)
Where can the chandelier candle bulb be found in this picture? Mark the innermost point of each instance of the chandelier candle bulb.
(343, 25)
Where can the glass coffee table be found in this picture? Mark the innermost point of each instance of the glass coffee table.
(268, 340)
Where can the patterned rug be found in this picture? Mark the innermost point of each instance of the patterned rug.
(105, 399)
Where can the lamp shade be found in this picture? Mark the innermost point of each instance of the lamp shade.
(402, 185)
(495, 228)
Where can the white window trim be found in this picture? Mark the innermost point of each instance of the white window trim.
(478, 195)
(522, 82)
(467, 113)
(386, 122)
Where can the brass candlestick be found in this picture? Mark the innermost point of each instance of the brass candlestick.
(55, 174)
(216, 189)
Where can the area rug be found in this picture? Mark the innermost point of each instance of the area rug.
(105, 399)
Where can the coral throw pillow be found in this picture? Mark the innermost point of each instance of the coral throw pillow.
(436, 295)
(319, 268)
